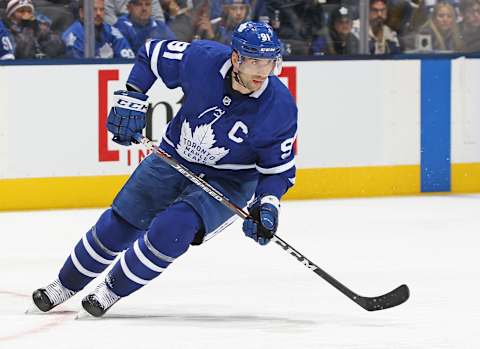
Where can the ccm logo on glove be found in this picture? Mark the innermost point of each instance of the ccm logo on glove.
(127, 103)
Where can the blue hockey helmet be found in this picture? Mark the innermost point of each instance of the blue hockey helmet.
(257, 40)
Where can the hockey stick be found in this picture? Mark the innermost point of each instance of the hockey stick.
(388, 300)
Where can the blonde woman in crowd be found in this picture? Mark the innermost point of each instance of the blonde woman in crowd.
(443, 29)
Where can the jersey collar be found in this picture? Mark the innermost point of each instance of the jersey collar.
(226, 67)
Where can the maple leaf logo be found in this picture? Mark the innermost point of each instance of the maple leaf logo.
(198, 146)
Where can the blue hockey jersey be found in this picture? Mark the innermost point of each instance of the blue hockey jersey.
(137, 34)
(109, 42)
(7, 50)
(218, 131)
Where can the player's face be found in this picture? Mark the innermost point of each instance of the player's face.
(254, 66)
(252, 82)
(253, 72)
(141, 10)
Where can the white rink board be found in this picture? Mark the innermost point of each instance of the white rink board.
(59, 123)
(351, 113)
(465, 110)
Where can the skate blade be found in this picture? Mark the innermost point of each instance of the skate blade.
(82, 315)
(33, 310)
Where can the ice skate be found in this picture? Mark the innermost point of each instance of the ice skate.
(45, 299)
(98, 302)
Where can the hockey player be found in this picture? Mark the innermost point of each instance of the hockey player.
(236, 128)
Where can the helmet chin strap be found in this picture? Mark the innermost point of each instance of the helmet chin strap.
(235, 73)
(236, 76)
(238, 79)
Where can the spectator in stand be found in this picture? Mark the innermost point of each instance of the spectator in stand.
(189, 20)
(59, 11)
(382, 39)
(139, 25)
(7, 50)
(470, 26)
(202, 23)
(259, 10)
(296, 22)
(443, 30)
(179, 17)
(400, 14)
(117, 8)
(109, 41)
(32, 35)
(422, 10)
(215, 10)
(234, 13)
(337, 39)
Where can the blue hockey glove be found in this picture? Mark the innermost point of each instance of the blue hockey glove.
(127, 116)
(264, 222)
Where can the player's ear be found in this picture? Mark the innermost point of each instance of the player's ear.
(235, 58)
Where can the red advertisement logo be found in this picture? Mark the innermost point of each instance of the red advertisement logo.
(109, 155)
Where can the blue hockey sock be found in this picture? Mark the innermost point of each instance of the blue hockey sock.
(169, 236)
(96, 250)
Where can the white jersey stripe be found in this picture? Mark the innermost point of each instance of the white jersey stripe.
(277, 169)
(80, 267)
(154, 58)
(225, 68)
(169, 142)
(94, 254)
(146, 262)
(129, 274)
(170, 55)
(147, 47)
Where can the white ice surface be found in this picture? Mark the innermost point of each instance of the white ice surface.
(231, 293)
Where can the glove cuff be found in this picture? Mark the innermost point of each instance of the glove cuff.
(272, 200)
(130, 102)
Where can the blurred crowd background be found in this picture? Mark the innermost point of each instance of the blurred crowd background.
(48, 29)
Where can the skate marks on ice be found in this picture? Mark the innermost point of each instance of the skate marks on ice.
(16, 324)
(202, 319)
(293, 322)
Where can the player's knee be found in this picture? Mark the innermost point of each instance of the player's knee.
(114, 232)
(172, 231)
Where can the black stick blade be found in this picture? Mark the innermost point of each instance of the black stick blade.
(388, 300)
